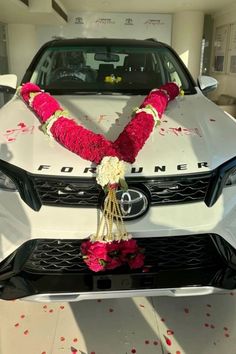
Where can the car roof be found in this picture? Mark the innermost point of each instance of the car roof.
(104, 42)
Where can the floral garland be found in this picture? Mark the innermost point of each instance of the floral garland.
(111, 246)
(89, 145)
(109, 255)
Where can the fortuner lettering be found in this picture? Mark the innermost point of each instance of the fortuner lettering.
(133, 170)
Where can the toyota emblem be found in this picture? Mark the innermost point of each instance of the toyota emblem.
(133, 203)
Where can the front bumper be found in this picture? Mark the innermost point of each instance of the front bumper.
(45, 269)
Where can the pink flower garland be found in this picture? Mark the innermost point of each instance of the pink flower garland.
(94, 147)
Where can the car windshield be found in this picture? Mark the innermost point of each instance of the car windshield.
(106, 69)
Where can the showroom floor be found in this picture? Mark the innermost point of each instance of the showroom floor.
(187, 325)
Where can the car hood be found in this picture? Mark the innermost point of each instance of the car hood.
(194, 136)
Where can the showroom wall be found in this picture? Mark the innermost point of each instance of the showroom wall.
(24, 40)
(22, 46)
(187, 38)
(113, 25)
(224, 47)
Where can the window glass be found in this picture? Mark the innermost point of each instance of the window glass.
(102, 69)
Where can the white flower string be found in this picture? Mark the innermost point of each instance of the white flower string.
(110, 171)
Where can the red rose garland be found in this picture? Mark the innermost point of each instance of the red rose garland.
(103, 255)
(91, 146)
(110, 250)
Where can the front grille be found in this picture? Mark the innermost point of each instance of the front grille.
(67, 192)
(179, 189)
(77, 192)
(161, 253)
(56, 255)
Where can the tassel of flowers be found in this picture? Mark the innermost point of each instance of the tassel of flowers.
(111, 219)
(111, 246)
(111, 174)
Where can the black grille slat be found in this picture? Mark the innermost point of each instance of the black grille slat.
(66, 192)
(179, 190)
(181, 251)
(78, 193)
(161, 253)
(56, 256)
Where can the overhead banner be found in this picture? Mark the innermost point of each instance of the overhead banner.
(111, 25)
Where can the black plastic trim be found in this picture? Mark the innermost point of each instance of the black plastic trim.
(18, 281)
(7, 89)
(28, 284)
(219, 179)
(139, 183)
(23, 183)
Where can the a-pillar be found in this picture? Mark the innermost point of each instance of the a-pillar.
(187, 31)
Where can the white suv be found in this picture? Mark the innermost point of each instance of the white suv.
(181, 201)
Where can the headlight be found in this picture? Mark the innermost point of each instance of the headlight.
(6, 183)
(231, 178)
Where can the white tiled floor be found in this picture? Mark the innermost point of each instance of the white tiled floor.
(188, 325)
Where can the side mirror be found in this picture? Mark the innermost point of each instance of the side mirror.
(207, 83)
(8, 83)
